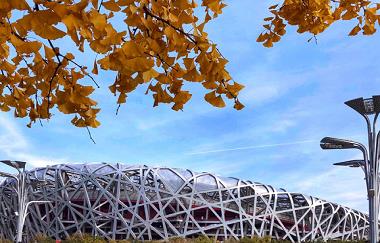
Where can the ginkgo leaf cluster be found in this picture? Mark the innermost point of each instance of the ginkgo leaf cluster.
(160, 43)
(315, 16)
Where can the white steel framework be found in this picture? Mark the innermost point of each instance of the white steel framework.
(117, 201)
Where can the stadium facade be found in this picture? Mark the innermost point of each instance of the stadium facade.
(118, 201)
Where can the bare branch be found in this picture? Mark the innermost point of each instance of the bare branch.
(89, 134)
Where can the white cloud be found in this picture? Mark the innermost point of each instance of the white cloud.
(340, 185)
(10, 139)
(264, 84)
(14, 145)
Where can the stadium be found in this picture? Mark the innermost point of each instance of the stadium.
(118, 201)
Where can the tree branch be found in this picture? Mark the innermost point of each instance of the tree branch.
(54, 74)
(54, 50)
(50, 85)
(162, 60)
(81, 67)
(190, 36)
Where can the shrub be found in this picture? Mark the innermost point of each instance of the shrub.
(231, 240)
(266, 239)
(41, 238)
(280, 241)
(255, 239)
(77, 237)
(84, 238)
(203, 239)
(5, 241)
(177, 239)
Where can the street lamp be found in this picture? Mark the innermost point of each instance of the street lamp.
(370, 162)
(21, 192)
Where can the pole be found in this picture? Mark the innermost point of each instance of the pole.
(372, 189)
(21, 194)
(375, 161)
(21, 206)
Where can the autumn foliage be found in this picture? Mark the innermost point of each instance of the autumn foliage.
(315, 16)
(159, 43)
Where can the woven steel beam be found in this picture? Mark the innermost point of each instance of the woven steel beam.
(118, 201)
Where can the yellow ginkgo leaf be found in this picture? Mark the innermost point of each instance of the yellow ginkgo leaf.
(111, 5)
(29, 47)
(238, 106)
(122, 98)
(95, 68)
(19, 4)
(148, 75)
(94, 3)
(49, 32)
(98, 20)
(355, 30)
(138, 64)
(215, 100)
(131, 49)
(235, 88)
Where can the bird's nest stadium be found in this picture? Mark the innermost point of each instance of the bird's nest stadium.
(118, 201)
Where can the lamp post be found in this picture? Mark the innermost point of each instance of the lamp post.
(21, 192)
(370, 162)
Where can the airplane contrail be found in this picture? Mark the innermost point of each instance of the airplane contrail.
(253, 147)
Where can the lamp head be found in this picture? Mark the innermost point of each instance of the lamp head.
(351, 163)
(15, 164)
(365, 106)
(336, 143)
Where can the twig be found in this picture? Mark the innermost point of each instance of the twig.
(58, 54)
(54, 74)
(100, 5)
(27, 64)
(162, 60)
(118, 108)
(81, 67)
(89, 134)
(190, 36)
(236, 100)
(36, 98)
(54, 50)
(9, 88)
(50, 86)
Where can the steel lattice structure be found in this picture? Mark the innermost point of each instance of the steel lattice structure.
(117, 201)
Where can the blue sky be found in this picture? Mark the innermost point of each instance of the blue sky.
(294, 96)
